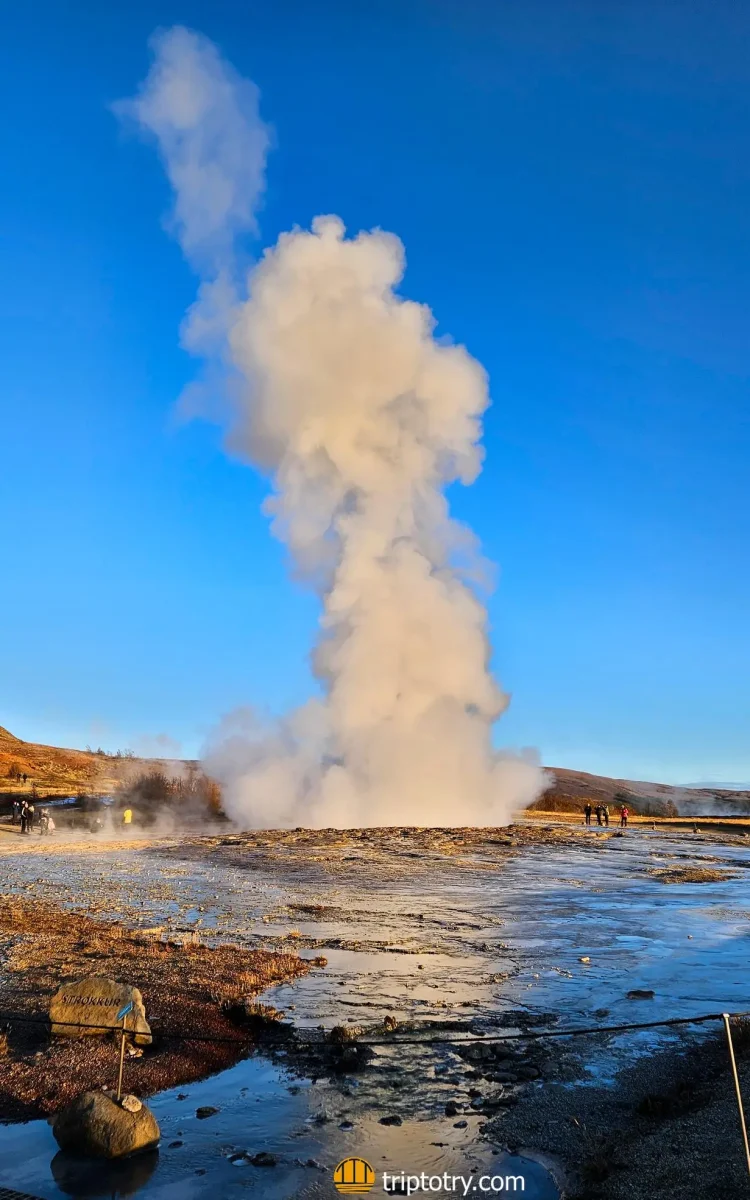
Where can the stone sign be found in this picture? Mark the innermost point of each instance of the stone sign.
(96, 1001)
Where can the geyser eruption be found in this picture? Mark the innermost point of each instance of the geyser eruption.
(341, 393)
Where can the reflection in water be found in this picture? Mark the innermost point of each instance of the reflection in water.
(306, 1128)
(87, 1177)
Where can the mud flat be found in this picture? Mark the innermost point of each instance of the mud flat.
(439, 943)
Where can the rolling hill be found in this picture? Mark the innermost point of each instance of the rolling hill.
(57, 771)
(53, 770)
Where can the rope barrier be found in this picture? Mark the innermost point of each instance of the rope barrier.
(483, 1039)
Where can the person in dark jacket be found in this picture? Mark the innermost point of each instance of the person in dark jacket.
(587, 812)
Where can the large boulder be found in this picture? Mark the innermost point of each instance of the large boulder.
(91, 1005)
(96, 1125)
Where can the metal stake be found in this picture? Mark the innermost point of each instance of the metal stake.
(122, 1060)
(728, 1031)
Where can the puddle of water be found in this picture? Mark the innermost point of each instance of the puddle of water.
(309, 1129)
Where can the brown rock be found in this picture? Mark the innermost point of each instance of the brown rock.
(96, 1125)
(78, 1008)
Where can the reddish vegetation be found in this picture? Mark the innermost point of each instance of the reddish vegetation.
(186, 989)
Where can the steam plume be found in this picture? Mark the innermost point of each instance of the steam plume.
(361, 418)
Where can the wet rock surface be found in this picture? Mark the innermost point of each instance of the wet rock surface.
(432, 938)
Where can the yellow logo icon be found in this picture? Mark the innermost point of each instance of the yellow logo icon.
(353, 1176)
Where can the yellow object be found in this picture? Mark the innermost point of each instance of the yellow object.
(127, 816)
(353, 1176)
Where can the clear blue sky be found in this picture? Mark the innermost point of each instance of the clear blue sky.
(571, 180)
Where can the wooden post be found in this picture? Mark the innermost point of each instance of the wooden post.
(728, 1031)
(122, 1057)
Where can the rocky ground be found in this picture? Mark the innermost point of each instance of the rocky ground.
(433, 935)
(667, 1129)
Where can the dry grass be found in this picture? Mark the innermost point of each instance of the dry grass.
(187, 988)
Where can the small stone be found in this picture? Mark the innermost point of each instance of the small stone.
(452, 1109)
(460, 1124)
(131, 1104)
(392, 1119)
(584, 958)
(175, 1145)
(640, 994)
(263, 1159)
(206, 1110)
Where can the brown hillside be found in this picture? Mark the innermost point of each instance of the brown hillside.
(54, 770)
(571, 789)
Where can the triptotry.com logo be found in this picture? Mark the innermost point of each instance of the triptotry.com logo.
(355, 1176)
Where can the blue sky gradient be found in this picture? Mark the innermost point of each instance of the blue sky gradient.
(572, 186)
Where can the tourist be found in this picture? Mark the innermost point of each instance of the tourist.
(587, 812)
(624, 817)
(605, 811)
(127, 817)
(599, 815)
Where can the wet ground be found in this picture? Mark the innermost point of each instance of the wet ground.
(452, 933)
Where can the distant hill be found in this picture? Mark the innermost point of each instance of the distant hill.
(571, 789)
(56, 771)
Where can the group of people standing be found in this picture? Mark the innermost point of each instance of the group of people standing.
(602, 814)
(25, 811)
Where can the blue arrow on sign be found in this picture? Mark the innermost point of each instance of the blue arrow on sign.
(124, 1011)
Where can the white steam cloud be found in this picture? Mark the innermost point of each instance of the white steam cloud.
(212, 141)
(362, 418)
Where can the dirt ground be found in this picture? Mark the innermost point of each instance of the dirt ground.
(188, 988)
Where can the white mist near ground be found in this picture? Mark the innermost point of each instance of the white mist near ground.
(361, 418)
